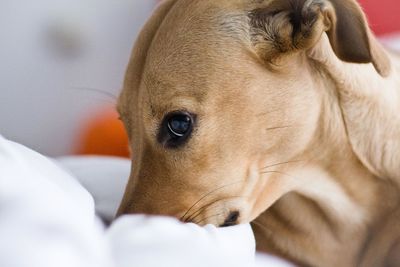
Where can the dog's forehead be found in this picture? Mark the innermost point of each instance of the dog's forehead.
(196, 42)
(187, 36)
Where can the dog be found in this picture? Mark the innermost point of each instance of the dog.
(282, 113)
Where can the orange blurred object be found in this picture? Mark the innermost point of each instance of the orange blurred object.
(104, 135)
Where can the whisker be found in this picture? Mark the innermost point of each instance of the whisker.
(95, 90)
(279, 127)
(282, 163)
(206, 195)
(197, 213)
(215, 215)
(278, 172)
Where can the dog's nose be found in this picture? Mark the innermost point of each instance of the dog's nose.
(232, 219)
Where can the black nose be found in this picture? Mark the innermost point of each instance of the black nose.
(232, 219)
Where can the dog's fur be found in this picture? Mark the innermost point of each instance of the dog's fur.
(298, 125)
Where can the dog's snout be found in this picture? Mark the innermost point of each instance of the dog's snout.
(232, 219)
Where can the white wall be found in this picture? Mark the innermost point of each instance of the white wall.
(51, 48)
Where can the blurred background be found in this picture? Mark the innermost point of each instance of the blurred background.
(57, 59)
(62, 64)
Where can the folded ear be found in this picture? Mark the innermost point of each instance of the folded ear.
(351, 38)
(287, 26)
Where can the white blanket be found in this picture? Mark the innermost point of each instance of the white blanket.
(48, 218)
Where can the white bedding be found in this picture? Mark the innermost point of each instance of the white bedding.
(48, 218)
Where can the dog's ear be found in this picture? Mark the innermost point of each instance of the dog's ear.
(288, 26)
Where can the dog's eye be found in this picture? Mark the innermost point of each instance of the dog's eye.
(179, 125)
(176, 128)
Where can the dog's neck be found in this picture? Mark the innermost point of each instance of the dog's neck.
(336, 190)
(340, 205)
(332, 180)
(368, 102)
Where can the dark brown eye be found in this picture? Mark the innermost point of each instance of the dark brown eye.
(176, 128)
(179, 125)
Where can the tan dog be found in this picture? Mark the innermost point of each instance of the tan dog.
(242, 110)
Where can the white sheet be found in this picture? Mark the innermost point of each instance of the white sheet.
(104, 177)
(48, 219)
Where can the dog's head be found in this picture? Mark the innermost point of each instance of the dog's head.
(220, 97)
